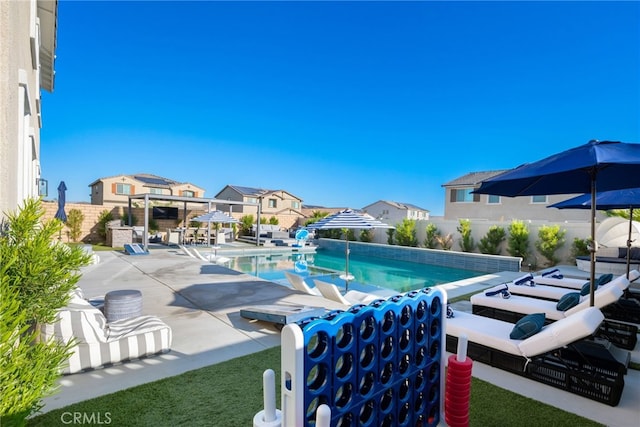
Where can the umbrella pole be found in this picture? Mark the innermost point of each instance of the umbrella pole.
(629, 242)
(346, 264)
(593, 248)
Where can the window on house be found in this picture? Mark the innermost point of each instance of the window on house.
(188, 193)
(538, 199)
(123, 188)
(492, 199)
(273, 203)
(295, 204)
(153, 190)
(463, 195)
(252, 200)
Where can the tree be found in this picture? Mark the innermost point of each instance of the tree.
(490, 243)
(518, 241)
(550, 238)
(406, 233)
(467, 243)
(74, 223)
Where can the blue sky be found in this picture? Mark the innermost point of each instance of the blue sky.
(339, 103)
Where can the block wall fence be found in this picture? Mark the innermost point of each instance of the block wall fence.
(89, 229)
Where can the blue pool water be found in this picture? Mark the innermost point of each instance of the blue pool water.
(400, 276)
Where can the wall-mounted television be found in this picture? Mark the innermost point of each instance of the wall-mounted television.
(163, 212)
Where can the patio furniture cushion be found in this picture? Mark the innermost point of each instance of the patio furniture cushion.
(586, 288)
(97, 343)
(528, 326)
(568, 301)
(495, 333)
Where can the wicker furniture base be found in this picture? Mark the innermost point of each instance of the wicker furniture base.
(566, 368)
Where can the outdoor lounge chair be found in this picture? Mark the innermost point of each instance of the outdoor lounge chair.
(353, 297)
(299, 284)
(551, 279)
(555, 293)
(98, 343)
(516, 307)
(560, 355)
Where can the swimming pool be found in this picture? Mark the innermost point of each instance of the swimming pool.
(400, 276)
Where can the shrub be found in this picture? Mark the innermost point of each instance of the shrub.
(431, 241)
(38, 274)
(350, 234)
(104, 217)
(246, 223)
(406, 233)
(446, 242)
(274, 221)
(550, 238)
(390, 233)
(518, 241)
(74, 222)
(126, 221)
(580, 247)
(153, 225)
(366, 235)
(335, 233)
(490, 243)
(466, 242)
(28, 368)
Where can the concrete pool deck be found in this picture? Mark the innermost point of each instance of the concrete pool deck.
(202, 301)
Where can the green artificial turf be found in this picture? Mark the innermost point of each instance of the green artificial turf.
(229, 394)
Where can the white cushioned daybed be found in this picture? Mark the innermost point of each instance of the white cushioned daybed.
(99, 343)
(561, 354)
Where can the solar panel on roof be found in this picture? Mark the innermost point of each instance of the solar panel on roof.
(150, 180)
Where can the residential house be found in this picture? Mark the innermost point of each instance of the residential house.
(281, 204)
(394, 212)
(461, 203)
(117, 189)
(27, 58)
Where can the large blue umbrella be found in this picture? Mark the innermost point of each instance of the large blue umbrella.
(605, 165)
(628, 198)
(347, 219)
(60, 214)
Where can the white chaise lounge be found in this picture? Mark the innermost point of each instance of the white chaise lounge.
(516, 306)
(350, 298)
(99, 343)
(299, 284)
(560, 355)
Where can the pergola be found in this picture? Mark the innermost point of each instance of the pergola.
(185, 201)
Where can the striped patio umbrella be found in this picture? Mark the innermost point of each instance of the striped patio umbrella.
(215, 217)
(347, 220)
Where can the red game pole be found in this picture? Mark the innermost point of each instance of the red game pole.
(458, 386)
